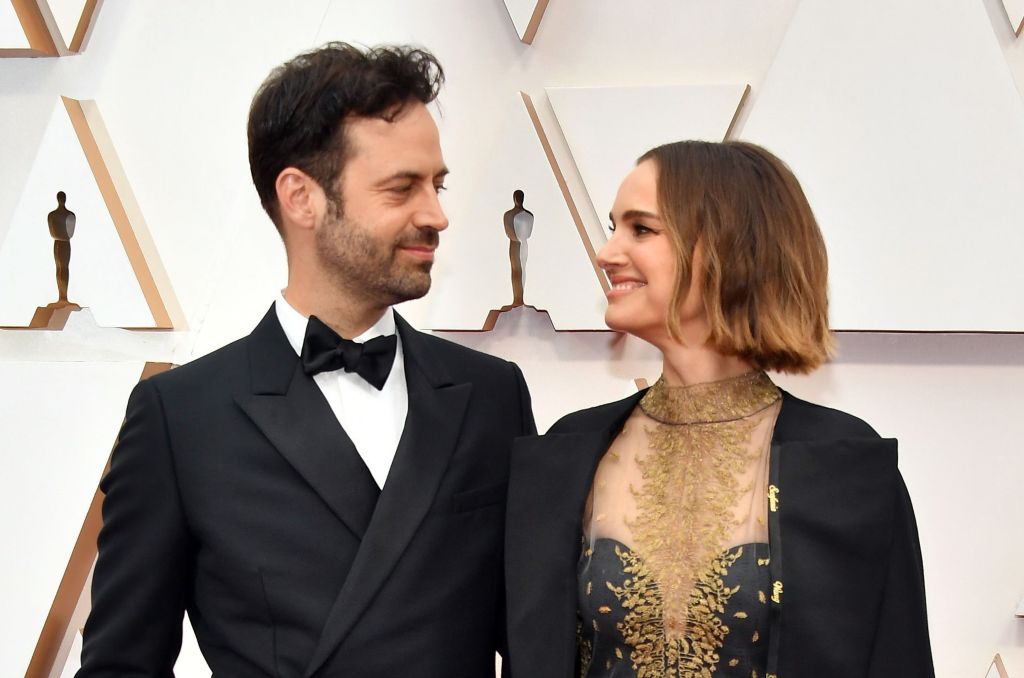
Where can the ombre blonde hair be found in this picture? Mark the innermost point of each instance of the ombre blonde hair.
(765, 277)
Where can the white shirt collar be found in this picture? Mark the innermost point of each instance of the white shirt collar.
(294, 324)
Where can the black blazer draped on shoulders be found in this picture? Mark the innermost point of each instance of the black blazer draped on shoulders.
(847, 597)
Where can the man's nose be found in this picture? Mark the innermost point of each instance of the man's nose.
(430, 213)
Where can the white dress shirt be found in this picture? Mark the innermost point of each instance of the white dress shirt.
(374, 420)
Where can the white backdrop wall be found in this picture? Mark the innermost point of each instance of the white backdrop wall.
(173, 82)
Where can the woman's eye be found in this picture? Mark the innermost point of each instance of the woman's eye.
(440, 187)
(640, 229)
(611, 228)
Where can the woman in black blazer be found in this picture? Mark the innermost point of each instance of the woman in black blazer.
(714, 525)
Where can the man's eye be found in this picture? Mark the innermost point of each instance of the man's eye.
(401, 189)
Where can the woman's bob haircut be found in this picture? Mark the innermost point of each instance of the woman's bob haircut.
(765, 277)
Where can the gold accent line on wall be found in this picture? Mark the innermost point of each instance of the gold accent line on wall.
(560, 178)
(82, 29)
(535, 19)
(997, 664)
(32, 17)
(126, 215)
(85, 24)
(57, 628)
(44, 35)
(532, 25)
(736, 115)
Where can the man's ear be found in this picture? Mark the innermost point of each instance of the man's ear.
(300, 199)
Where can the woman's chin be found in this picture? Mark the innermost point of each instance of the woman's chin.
(621, 322)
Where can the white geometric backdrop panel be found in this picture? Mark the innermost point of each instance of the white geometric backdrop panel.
(907, 131)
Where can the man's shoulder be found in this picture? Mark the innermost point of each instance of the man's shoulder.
(207, 373)
(460, 359)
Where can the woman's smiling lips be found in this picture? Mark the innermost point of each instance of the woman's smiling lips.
(622, 285)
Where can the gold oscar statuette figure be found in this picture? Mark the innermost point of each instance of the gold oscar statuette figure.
(518, 227)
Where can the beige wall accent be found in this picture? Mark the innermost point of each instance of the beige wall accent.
(59, 629)
(84, 28)
(997, 670)
(560, 178)
(1015, 13)
(516, 13)
(44, 36)
(38, 32)
(126, 215)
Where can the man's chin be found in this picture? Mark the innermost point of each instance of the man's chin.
(411, 290)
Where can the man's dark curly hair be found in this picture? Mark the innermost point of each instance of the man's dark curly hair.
(297, 118)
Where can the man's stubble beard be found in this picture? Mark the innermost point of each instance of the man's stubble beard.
(369, 269)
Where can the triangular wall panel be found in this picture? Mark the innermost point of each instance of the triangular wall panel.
(114, 268)
(472, 275)
(605, 135)
(526, 15)
(907, 132)
(59, 423)
(70, 21)
(997, 669)
(25, 30)
(1015, 12)
(12, 35)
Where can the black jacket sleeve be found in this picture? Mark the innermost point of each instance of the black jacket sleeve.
(528, 428)
(139, 585)
(901, 646)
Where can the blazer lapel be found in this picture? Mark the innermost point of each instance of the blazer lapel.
(291, 411)
(835, 525)
(549, 479)
(830, 526)
(436, 410)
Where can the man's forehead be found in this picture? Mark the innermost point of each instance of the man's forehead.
(413, 118)
(410, 146)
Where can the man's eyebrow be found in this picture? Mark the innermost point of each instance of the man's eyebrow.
(635, 214)
(412, 175)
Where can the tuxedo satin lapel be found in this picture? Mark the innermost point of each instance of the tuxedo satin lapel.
(290, 410)
(436, 411)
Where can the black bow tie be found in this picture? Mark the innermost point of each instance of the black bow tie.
(324, 351)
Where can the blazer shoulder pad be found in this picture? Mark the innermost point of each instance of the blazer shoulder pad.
(206, 369)
(597, 417)
(457, 354)
(803, 420)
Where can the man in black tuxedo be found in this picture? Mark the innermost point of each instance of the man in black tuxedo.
(321, 506)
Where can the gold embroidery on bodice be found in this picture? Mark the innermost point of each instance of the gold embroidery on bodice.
(682, 486)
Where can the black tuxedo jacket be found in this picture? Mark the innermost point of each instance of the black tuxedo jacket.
(235, 494)
(848, 589)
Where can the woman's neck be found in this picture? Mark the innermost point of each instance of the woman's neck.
(686, 365)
